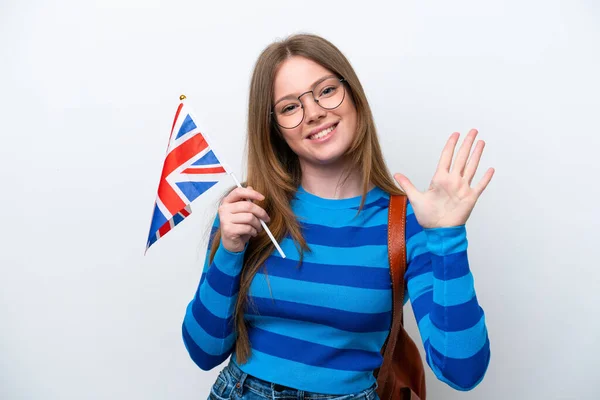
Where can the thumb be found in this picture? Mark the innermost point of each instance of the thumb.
(406, 185)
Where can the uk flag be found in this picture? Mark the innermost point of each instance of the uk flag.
(190, 169)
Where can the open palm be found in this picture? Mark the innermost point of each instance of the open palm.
(450, 198)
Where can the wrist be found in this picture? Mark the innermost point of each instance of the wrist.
(228, 261)
(233, 246)
(446, 240)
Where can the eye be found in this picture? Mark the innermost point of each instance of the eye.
(288, 109)
(328, 90)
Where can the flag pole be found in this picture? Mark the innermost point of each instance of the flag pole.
(230, 173)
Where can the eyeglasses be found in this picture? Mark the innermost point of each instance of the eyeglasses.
(328, 94)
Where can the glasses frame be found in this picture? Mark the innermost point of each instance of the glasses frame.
(342, 81)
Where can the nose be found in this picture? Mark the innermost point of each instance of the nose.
(312, 110)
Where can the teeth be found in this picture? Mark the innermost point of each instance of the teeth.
(322, 133)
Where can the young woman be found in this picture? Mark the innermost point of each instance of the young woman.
(312, 325)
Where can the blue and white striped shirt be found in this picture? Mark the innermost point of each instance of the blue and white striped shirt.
(321, 326)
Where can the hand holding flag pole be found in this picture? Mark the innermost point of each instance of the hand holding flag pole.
(265, 227)
(191, 167)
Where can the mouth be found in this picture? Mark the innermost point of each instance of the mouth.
(324, 133)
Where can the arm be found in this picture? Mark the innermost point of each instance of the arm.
(442, 294)
(208, 328)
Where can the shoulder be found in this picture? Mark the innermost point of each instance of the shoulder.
(396, 200)
(412, 226)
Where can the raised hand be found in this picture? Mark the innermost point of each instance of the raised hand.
(450, 198)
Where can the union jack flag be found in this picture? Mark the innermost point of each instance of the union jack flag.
(190, 169)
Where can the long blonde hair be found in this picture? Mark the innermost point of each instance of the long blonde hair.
(274, 169)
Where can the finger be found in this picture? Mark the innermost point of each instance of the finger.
(406, 185)
(238, 194)
(243, 229)
(448, 152)
(463, 153)
(473, 163)
(484, 181)
(247, 207)
(248, 219)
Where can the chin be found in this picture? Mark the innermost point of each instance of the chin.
(333, 159)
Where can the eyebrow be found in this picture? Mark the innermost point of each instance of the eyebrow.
(293, 96)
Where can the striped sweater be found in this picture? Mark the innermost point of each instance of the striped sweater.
(320, 326)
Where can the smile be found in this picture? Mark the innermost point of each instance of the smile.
(323, 134)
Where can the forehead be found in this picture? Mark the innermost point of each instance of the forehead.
(296, 75)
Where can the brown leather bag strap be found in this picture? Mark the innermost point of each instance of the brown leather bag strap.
(402, 374)
(397, 246)
(397, 259)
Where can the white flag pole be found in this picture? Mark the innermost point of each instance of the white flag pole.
(228, 170)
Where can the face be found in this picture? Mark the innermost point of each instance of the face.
(324, 135)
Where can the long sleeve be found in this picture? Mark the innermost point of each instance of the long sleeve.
(442, 294)
(208, 327)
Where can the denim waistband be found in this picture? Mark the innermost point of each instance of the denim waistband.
(272, 390)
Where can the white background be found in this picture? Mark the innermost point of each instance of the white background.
(88, 93)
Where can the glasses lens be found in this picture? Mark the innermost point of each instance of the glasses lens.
(330, 93)
(289, 113)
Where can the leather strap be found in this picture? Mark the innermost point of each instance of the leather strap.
(397, 248)
(397, 259)
(402, 374)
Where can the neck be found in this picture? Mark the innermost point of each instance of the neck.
(327, 181)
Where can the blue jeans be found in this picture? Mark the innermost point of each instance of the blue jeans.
(233, 383)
